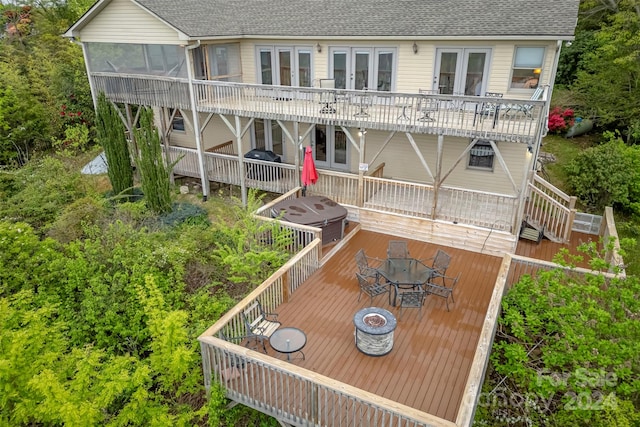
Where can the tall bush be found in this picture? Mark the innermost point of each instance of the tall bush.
(154, 174)
(111, 135)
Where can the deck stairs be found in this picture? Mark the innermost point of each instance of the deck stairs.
(529, 231)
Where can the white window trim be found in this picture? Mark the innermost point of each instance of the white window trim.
(513, 67)
(481, 168)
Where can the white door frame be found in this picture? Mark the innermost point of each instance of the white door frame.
(460, 73)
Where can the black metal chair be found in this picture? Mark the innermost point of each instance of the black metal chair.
(445, 291)
(440, 263)
(412, 299)
(397, 249)
(367, 265)
(371, 288)
(489, 108)
(259, 324)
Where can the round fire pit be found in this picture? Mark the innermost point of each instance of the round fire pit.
(374, 331)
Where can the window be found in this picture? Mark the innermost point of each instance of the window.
(481, 155)
(362, 68)
(177, 121)
(527, 66)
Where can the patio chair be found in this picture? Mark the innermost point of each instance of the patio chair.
(412, 299)
(445, 291)
(372, 288)
(427, 105)
(259, 324)
(328, 97)
(440, 263)
(397, 249)
(525, 109)
(489, 108)
(367, 265)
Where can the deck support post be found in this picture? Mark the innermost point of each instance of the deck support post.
(360, 198)
(196, 121)
(243, 181)
(436, 179)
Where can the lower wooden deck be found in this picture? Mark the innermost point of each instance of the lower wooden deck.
(431, 358)
(546, 250)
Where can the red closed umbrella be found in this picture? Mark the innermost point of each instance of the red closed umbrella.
(309, 172)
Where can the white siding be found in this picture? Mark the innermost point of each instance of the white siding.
(121, 21)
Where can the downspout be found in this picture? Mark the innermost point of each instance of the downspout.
(196, 121)
(86, 66)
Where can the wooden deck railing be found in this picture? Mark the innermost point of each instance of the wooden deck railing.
(224, 148)
(609, 233)
(550, 207)
(463, 116)
(283, 390)
(488, 210)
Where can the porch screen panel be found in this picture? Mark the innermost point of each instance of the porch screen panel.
(304, 69)
(340, 69)
(225, 62)
(163, 60)
(385, 71)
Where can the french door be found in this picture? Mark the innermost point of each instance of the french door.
(267, 135)
(460, 71)
(285, 66)
(330, 148)
(362, 68)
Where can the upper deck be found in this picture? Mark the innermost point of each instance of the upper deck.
(449, 115)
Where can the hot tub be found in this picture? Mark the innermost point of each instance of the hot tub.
(315, 211)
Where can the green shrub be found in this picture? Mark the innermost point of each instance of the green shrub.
(46, 188)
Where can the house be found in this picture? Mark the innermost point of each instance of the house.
(425, 119)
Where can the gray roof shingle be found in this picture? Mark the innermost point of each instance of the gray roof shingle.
(368, 18)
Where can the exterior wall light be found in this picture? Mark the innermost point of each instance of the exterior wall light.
(415, 47)
(318, 47)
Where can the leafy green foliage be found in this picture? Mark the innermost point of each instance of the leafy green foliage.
(567, 352)
(249, 248)
(111, 135)
(606, 175)
(608, 72)
(46, 187)
(154, 174)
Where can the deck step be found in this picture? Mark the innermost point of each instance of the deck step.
(531, 233)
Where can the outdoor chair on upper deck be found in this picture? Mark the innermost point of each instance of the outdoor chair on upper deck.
(489, 108)
(397, 249)
(367, 265)
(440, 263)
(427, 105)
(371, 287)
(259, 324)
(526, 110)
(328, 97)
(445, 291)
(412, 299)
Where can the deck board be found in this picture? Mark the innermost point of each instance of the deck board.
(546, 249)
(429, 364)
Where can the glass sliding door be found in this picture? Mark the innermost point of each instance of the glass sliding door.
(340, 68)
(361, 75)
(266, 66)
(267, 135)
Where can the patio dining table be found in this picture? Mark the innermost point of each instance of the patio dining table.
(404, 273)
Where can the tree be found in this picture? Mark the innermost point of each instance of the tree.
(567, 353)
(608, 77)
(606, 175)
(154, 174)
(111, 135)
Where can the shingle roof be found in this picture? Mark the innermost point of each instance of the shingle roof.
(368, 18)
